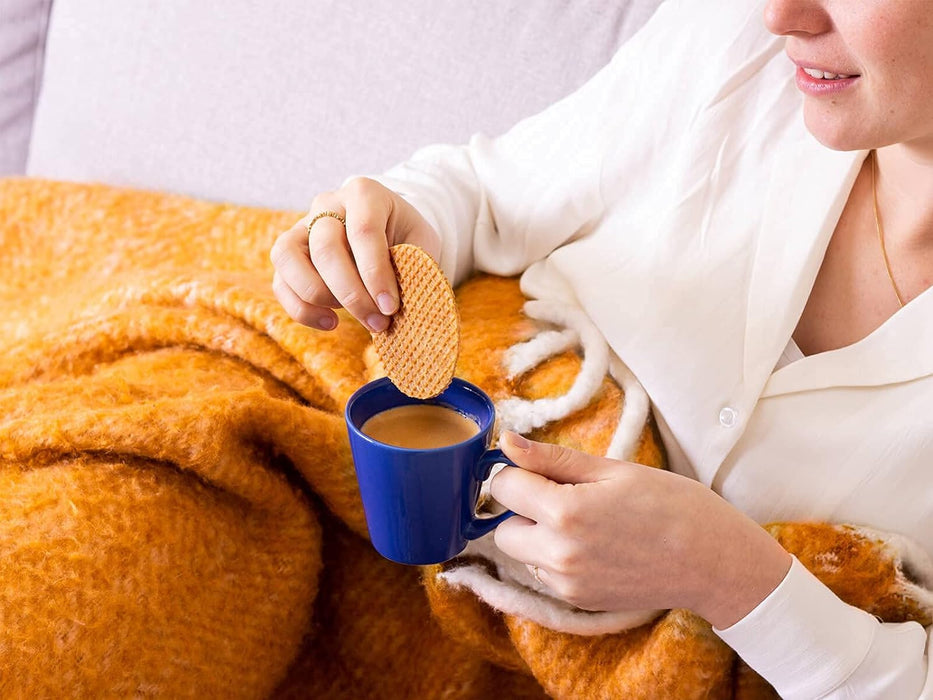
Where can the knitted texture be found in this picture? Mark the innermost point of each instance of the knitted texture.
(179, 514)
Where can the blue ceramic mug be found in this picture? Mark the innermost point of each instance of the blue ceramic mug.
(420, 504)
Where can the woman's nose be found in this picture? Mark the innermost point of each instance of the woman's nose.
(796, 17)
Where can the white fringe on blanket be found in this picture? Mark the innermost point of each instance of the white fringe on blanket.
(524, 415)
(913, 565)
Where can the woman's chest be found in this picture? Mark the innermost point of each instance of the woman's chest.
(854, 292)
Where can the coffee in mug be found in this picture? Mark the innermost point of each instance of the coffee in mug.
(420, 426)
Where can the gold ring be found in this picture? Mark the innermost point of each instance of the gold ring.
(321, 215)
(534, 572)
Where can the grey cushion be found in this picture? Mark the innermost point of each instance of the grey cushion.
(22, 40)
(268, 103)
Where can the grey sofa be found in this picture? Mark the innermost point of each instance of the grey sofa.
(267, 103)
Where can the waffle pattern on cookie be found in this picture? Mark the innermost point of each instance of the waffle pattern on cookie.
(419, 350)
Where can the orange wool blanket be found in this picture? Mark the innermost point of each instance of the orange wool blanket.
(178, 508)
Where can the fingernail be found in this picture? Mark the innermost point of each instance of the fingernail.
(377, 323)
(326, 323)
(518, 441)
(386, 303)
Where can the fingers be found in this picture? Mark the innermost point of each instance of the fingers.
(525, 541)
(318, 317)
(312, 303)
(353, 260)
(330, 257)
(520, 539)
(526, 493)
(559, 464)
(289, 255)
(347, 265)
(367, 226)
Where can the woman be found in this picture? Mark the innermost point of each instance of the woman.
(764, 275)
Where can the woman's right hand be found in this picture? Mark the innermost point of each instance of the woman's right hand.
(348, 266)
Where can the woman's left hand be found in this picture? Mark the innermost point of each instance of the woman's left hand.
(613, 535)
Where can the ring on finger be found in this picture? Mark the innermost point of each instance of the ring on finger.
(322, 214)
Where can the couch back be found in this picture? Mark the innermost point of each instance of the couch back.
(23, 26)
(268, 103)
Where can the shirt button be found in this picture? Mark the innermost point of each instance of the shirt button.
(727, 417)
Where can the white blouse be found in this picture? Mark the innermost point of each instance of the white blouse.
(791, 353)
(767, 636)
(679, 201)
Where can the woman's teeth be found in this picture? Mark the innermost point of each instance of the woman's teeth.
(823, 75)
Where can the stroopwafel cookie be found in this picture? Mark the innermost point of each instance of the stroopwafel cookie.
(420, 347)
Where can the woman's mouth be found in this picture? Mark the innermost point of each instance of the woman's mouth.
(818, 82)
(825, 75)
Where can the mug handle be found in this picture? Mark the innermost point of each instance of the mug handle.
(477, 527)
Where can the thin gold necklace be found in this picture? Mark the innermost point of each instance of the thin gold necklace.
(884, 252)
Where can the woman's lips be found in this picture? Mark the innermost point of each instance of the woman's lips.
(824, 82)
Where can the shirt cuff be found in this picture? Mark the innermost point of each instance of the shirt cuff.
(802, 638)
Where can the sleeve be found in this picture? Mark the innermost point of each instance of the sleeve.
(501, 204)
(808, 643)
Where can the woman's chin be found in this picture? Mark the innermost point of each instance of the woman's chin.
(837, 142)
(837, 134)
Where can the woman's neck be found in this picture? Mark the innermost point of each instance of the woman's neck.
(905, 195)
